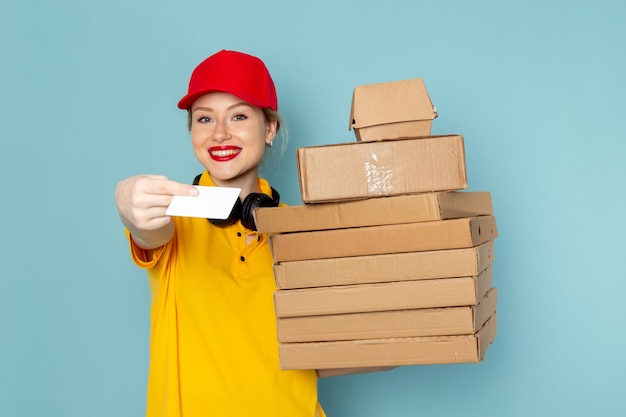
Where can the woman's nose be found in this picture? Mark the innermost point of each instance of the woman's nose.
(221, 131)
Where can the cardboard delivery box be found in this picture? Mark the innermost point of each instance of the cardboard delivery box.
(466, 232)
(391, 110)
(447, 321)
(374, 211)
(406, 266)
(359, 170)
(402, 295)
(401, 351)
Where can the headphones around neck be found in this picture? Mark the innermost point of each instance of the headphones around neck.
(244, 211)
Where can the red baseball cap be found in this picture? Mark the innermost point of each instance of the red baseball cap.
(242, 75)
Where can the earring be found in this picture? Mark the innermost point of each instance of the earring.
(269, 145)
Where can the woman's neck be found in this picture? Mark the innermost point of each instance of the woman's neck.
(248, 184)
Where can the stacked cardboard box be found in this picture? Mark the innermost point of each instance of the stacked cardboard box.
(389, 261)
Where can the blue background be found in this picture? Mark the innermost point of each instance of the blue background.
(88, 93)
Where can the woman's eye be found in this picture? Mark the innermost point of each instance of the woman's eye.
(240, 117)
(204, 119)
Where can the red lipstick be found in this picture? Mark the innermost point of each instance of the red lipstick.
(224, 153)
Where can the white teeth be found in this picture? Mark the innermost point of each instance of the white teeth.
(225, 152)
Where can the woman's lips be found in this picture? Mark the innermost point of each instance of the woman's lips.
(224, 153)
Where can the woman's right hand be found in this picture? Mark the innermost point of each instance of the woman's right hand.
(142, 201)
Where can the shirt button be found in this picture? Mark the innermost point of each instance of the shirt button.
(242, 259)
(239, 234)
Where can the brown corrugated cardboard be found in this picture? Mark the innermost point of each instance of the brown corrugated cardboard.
(389, 352)
(377, 240)
(359, 170)
(403, 295)
(391, 110)
(384, 268)
(448, 321)
(372, 212)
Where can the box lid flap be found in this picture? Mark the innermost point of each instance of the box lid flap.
(486, 335)
(390, 102)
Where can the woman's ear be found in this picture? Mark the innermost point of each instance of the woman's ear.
(272, 127)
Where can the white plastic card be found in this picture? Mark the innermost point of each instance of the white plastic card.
(211, 203)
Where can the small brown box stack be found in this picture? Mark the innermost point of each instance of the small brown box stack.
(388, 262)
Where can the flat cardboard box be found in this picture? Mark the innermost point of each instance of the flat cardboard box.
(384, 268)
(402, 295)
(428, 350)
(377, 240)
(391, 110)
(359, 170)
(411, 208)
(448, 321)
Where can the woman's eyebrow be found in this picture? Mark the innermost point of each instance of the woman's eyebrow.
(232, 106)
(239, 104)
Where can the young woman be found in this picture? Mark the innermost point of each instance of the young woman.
(213, 345)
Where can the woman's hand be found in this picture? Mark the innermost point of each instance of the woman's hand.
(142, 201)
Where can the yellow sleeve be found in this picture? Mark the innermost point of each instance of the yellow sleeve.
(143, 258)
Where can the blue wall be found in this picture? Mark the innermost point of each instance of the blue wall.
(88, 93)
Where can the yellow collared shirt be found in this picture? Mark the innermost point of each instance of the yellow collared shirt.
(213, 344)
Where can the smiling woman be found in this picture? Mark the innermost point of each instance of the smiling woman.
(213, 347)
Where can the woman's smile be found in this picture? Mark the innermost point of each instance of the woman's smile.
(224, 153)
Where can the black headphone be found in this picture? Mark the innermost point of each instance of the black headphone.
(244, 211)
